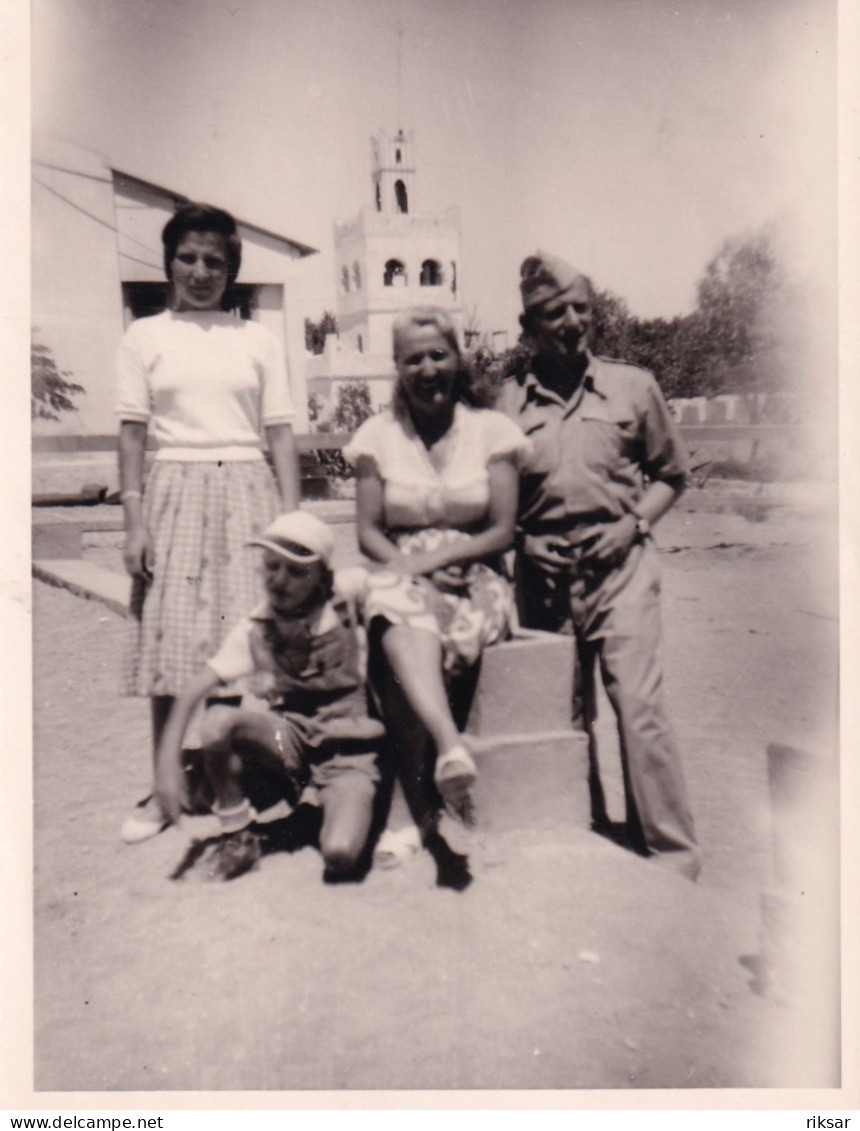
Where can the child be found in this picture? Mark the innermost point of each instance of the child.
(305, 658)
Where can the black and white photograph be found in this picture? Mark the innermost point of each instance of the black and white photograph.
(449, 708)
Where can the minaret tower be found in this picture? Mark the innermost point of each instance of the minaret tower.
(392, 256)
(393, 173)
(389, 258)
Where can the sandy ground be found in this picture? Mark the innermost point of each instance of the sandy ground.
(568, 964)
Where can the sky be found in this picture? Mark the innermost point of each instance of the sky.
(629, 136)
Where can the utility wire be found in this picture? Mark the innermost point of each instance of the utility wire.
(73, 172)
(103, 223)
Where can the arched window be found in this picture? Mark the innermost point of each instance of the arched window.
(397, 156)
(395, 274)
(431, 273)
(356, 275)
(401, 197)
(344, 280)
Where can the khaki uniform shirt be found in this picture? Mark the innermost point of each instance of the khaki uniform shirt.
(592, 455)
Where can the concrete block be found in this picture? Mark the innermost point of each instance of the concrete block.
(86, 580)
(526, 785)
(57, 540)
(525, 688)
(535, 784)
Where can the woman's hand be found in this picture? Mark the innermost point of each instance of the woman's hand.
(448, 578)
(550, 551)
(139, 553)
(451, 579)
(412, 565)
(285, 460)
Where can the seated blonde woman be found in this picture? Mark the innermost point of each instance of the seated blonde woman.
(437, 488)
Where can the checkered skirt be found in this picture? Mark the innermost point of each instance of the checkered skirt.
(200, 516)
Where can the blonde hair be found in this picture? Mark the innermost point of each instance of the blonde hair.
(465, 386)
(420, 316)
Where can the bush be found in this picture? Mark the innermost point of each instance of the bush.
(51, 391)
(353, 406)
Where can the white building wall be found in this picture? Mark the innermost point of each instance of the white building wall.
(141, 214)
(367, 313)
(92, 231)
(76, 292)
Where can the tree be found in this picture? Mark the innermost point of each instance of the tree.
(317, 411)
(743, 336)
(748, 318)
(666, 347)
(740, 337)
(353, 406)
(612, 325)
(489, 369)
(315, 332)
(471, 327)
(51, 391)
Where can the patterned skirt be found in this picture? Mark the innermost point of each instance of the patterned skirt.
(200, 516)
(466, 622)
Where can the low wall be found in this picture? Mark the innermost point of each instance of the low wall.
(771, 452)
(765, 452)
(64, 465)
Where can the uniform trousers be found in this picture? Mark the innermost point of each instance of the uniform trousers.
(614, 616)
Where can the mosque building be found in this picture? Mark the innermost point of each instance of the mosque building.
(389, 258)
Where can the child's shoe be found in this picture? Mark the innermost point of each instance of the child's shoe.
(146, 821)
(234, 855)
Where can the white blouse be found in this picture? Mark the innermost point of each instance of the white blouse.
(206, 380)
(447, 485)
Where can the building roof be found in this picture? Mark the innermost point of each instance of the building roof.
(121, 179)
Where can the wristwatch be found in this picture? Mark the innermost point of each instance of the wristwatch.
(643, 527)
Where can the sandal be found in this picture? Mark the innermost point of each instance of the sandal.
(395, 847)
(455, 775)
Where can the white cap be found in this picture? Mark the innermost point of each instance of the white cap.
(298, 531)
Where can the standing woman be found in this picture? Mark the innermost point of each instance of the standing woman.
(213, 387)
(437, 483)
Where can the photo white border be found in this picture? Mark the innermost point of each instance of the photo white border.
(16, 862)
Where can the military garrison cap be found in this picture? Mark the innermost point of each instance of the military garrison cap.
(544, 276)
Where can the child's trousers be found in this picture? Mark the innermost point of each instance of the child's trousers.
(314, 767)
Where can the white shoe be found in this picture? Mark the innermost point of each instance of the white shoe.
(455, 775)
(395, 847)
(145, 822)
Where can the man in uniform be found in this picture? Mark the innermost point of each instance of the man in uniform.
(607, 462)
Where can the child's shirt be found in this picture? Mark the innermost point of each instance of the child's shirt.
(315, 666)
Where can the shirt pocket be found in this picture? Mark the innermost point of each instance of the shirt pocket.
(608, 436)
